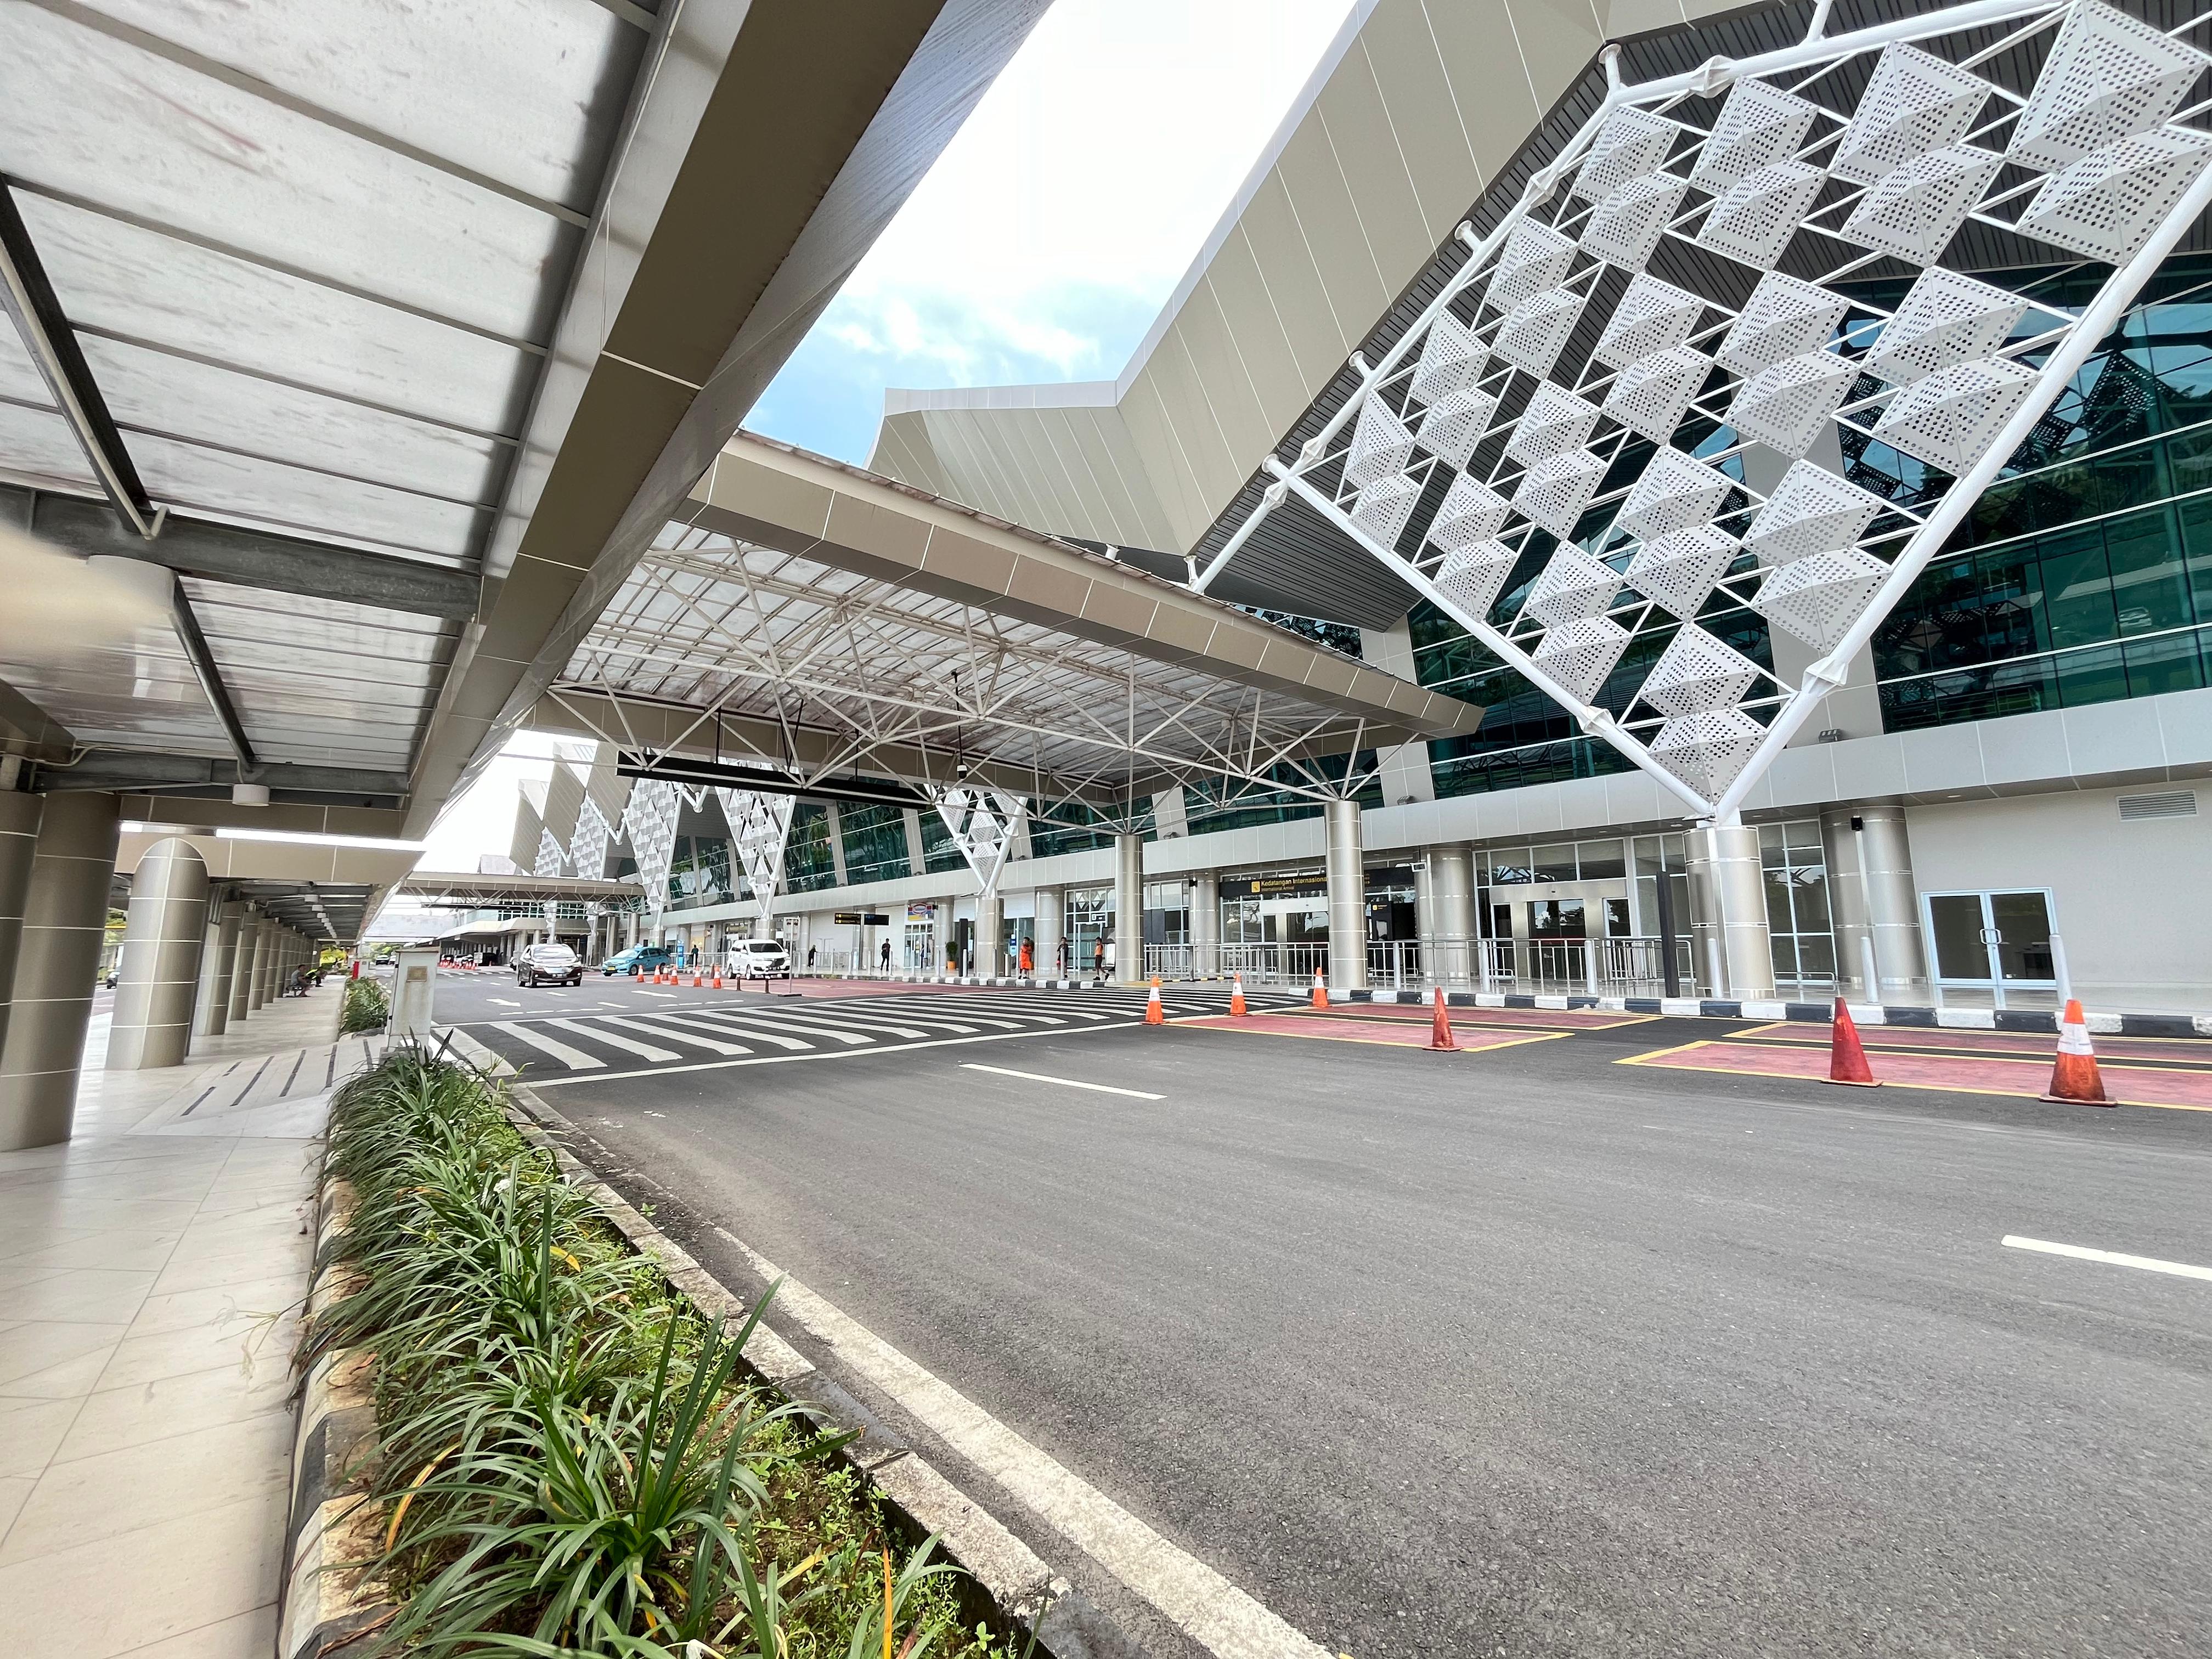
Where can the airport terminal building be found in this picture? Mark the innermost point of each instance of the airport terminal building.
(2003, 790)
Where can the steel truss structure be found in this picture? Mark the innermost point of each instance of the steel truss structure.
(1562, 400)
(843, 671)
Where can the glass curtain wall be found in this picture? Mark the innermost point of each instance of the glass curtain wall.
(2083, 575)
(875, 843)
(809, 865)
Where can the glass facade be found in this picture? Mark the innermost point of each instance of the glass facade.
(699, 872)
(875, 843)
(2083, 575)
(1219, 804)
(809, 864)
(939, 853)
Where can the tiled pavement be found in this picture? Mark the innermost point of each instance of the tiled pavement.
(151, 1271)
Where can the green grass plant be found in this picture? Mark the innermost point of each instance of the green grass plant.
(571, 1461)
(365, 1006)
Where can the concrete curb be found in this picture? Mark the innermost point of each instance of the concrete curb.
(1020, 1593)
(1960, 1020)
(319, 1610)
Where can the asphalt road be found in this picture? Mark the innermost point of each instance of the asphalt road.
(1517, 1352)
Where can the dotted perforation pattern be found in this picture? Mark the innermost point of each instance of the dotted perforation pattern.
(1536, 258)
(1624, 228)
(1472, 576)
(1456, 422)
(1698, 674)
(1451, 358)
(1554, 492)
(2109, 76)
(1677, 571)
(1788, 404)
(1709, 750)
(1784, 318)
(1471, 513)
(1651, 317)
(1384, 505)
(1759, 125)
(1579, 654)
(1555, 421)
(1915, 211)
(1673, 493)
(1915, 102)
(1532, 337)
(2107, 203)
(1817, 599)
(1753, 220)
(1812, 511)
(1651, 395)
(1573, 584)
(1950, 418)
(1380, 446)
(1632, 143)
(1946, 319)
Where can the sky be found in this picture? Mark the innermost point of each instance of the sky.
(1039, 247)
(1061, 216)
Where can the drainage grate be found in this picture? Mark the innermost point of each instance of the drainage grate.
(2168, 804)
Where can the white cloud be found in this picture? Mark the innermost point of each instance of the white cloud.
(1060, 217)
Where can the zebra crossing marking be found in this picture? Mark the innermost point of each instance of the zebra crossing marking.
(642, 1050)
(689, 1038)
(574, 1059)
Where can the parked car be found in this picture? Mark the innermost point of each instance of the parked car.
(548, 964)
(759, 958)
(645, 959)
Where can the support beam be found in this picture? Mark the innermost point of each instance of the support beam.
(248, 558)
(29, 300)
(124, 771)
(210, 674)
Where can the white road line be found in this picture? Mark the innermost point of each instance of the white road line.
(1213, 1611)
(2148, 1263)
(574, 1059)
(665, 996)
(503, 1003)
(834, 1054)
(691, 1039)
(721, 1024)
(1064, 1082)
(642, 1050)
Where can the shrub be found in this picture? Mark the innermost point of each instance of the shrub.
(571, 1463)
(365, 1007)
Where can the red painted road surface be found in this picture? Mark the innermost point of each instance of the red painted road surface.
(1394, 1034)
(2026, 1045)
(2134, 1084)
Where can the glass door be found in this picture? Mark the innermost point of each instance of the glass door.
(1994, 941)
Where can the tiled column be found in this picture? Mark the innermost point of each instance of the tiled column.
(19, 839)
(263, 966)
(238, 969)
(990, 935)
(162, 943)
(1448, 931)
(218, 967)
(65, 924)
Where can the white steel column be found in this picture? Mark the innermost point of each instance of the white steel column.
(1448, 932)
(1129, 910)
(1731, 898)
(212, 1017)
(1347, 899)
(1206, 923)
(990, 935)
(64, 926)
(1046, 933)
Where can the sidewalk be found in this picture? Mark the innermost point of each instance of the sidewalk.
(151, 1271)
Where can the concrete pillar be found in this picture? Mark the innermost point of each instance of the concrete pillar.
(990, 935)
(64, 923)
(1731, 898)
(217, 967)
(1347, 899)
(1129, 910)
(1884, 889)
(1045, 931)
(1448, 931)
(258, 970)
(163, 943)
(19, 841)
(238, 966)
(1206, 923)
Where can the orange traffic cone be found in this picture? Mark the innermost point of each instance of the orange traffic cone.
(1441, 1035)
(1847, 1060)
(1154, 1014)
(717, 980)
(2074, 1077)
(1237, 997)
(1320, 991)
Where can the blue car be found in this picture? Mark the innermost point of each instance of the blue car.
(645, 959)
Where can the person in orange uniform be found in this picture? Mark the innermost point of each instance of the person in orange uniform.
(1028, 961)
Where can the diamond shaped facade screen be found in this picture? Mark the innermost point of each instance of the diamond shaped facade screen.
(1554, 453)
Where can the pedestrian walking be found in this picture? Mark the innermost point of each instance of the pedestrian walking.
(810, 958)
(887, 956)
(1029, 960)
(1098, 955)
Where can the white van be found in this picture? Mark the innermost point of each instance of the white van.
(758, 958)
